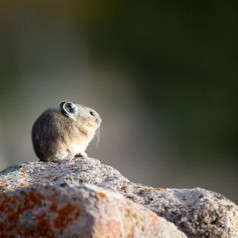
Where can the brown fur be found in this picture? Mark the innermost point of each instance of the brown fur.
(54, 133)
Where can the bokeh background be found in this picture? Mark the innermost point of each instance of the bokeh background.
(163, 76)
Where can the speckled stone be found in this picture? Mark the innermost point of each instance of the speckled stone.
(84, 211)
(197, 212)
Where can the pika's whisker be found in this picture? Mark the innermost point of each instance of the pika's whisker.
(98, 135)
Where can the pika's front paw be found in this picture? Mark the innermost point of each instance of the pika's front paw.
(82, 154)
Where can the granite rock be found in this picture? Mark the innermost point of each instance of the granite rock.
(74, 210)
(197, 212)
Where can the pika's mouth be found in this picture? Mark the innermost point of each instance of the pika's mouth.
(94, 124)
(98, 121)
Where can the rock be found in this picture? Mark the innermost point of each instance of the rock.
(196, 212)
(77, 211)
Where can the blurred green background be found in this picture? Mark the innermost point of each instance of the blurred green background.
(163, 76)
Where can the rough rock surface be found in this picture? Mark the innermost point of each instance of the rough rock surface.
(197, 212)
(77, 211)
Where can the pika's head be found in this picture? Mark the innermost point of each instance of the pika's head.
(84, 116)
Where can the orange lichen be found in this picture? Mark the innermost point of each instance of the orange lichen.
(20, 208)
(66, 215)
(23, 184)
(3, 184)
(154, 217)
(44, 224)
(23, 172)
(37, 180)
(32, 199)
(14, 210)
(53, 207)
(101, 195)
(49, 176)
(9, 212)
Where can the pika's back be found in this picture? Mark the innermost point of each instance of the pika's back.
(47, 132)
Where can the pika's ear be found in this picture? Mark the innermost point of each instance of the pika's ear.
(69, 109)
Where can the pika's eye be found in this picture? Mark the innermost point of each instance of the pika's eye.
(91, 113)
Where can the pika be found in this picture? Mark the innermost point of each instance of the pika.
(64, 132)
